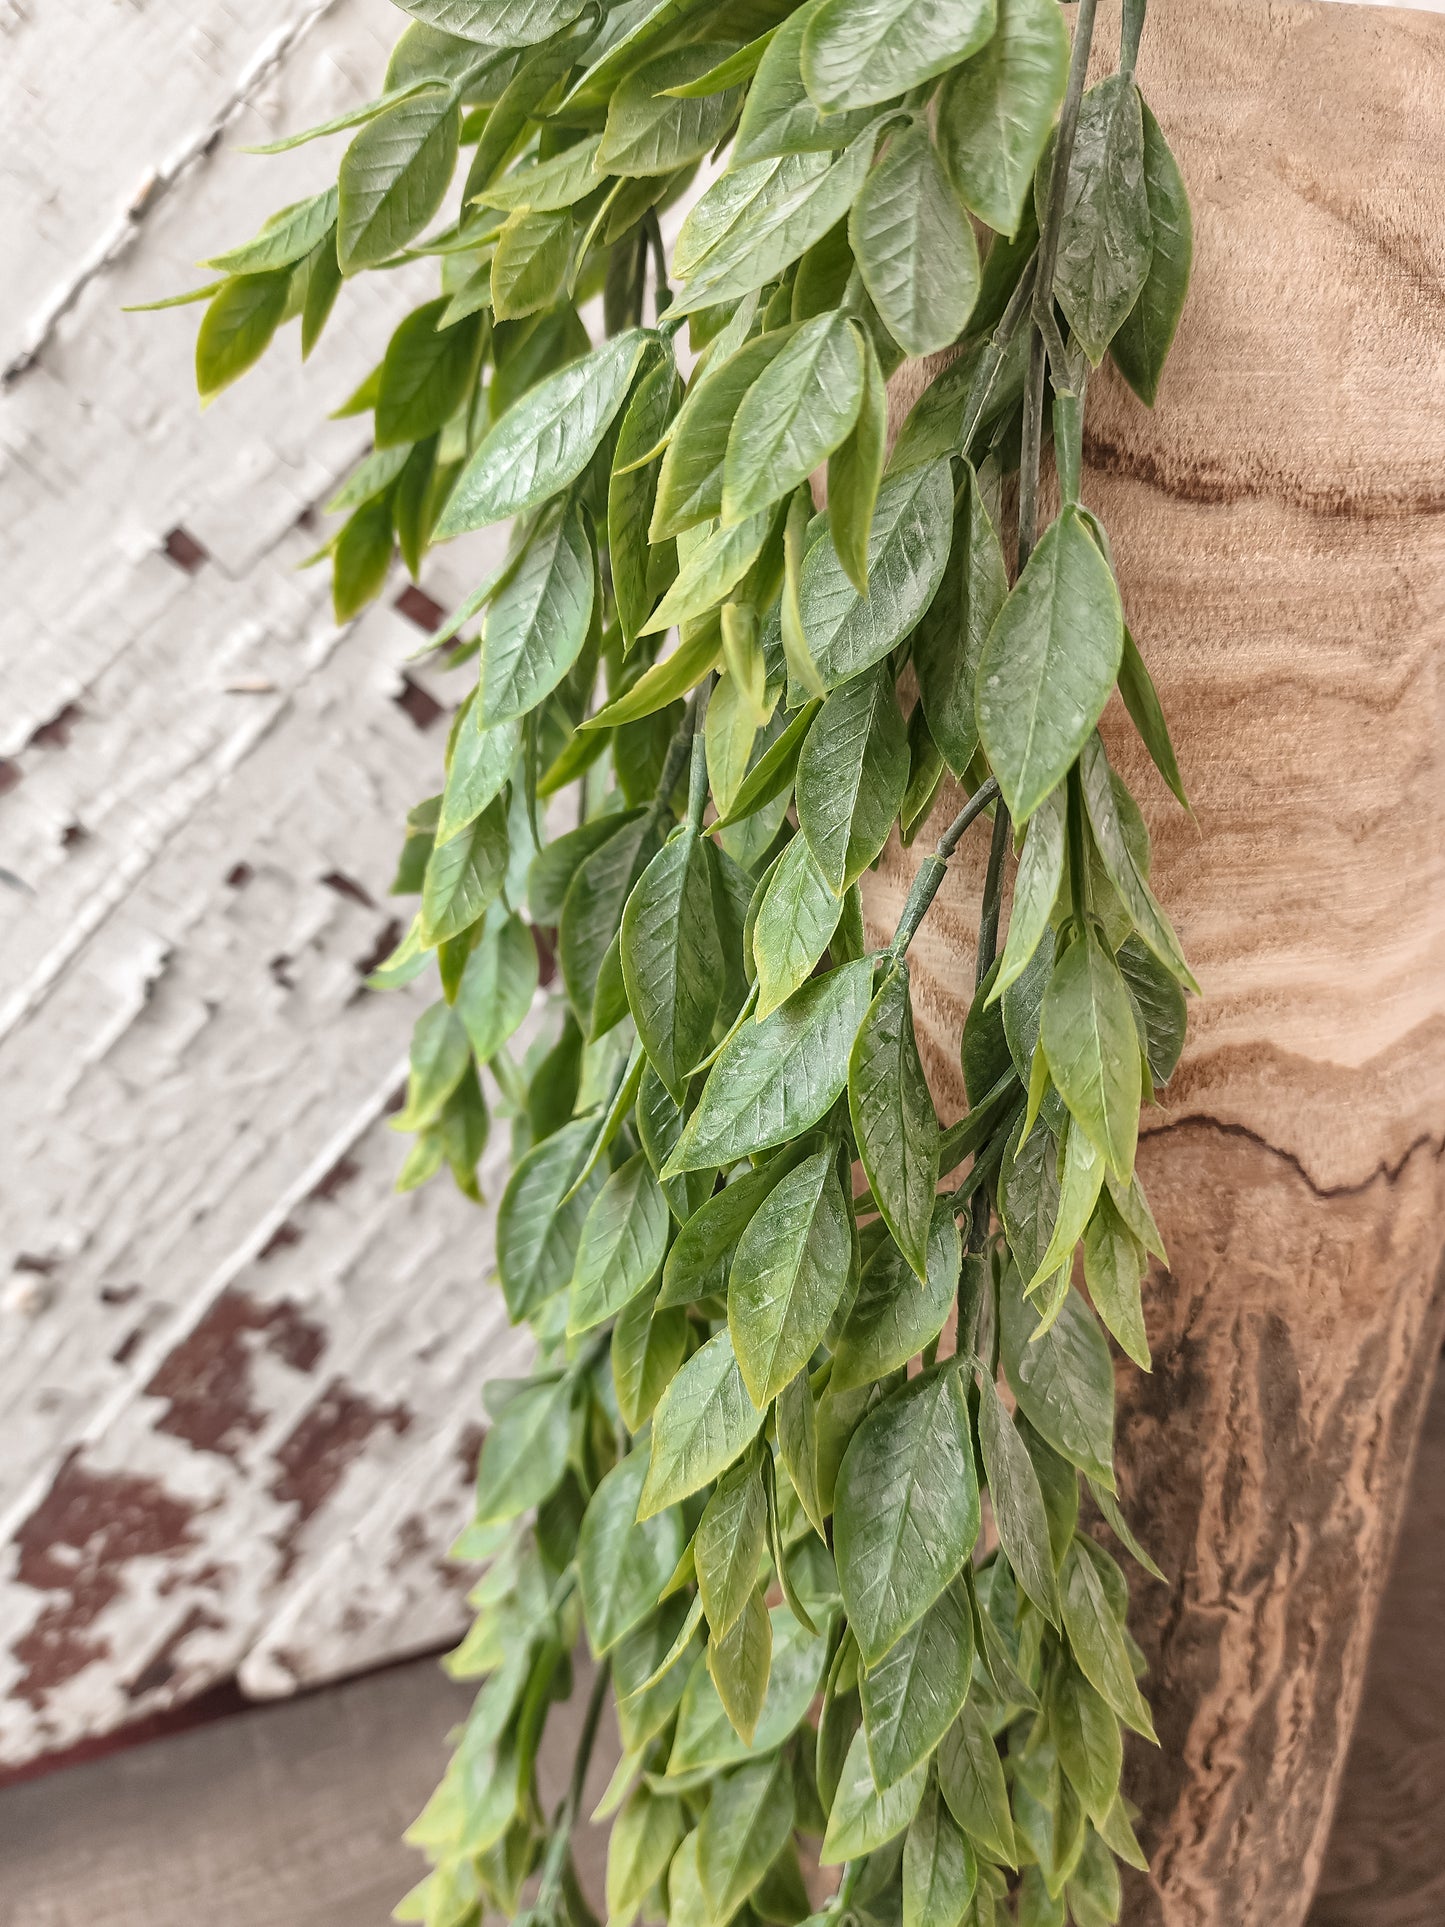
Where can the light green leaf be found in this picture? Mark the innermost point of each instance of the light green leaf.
(793, 416)
(798, 1446)
(632, 492)
(705, 1739)
(728, 1544)
(775, 1080)
(545, 440)
(739, 1664)
(940, 1871)
(481, 764)
(690, 484)
(592, 911)
(914, 245)
(496, 23)
(643, 1840)
(1092, 1045)
(747, 1824)
(536, 1233)
(645, 1704)
(772, 774)
(855, 471)
(1113, 1270)
(538, 619)
(623, 1243)
(704, 1420)
(907, 1511)
(795, 921)
(1121, 867)
(529, 264)
(237, 327)
(647, 1348)
(861, 51)
(1081, 1179)
(852, 773)
(700, 1261)
(1086, 1732)
(1017, 1500)
(464, 875)
(863, 1819)
(287, 237)
(525, 1453)
(714, 565)
(970, 1777)
(995, 111)
(1098, 1641)
(1049, 664)
(907, 552)
(786, 206)
(678, 672)
(650, 130)
(440, 1055)
(948, 643)
(393, 177)
(1141, 699)
(1036, 889)
(893, 1318)
(1106, 236)
(778, 117)
(623, 1564)
(550, 185)
(894, 1122)
(1064, 1383)
(425, 375)
(672, 958)
(360, 558)
(788, 1274)
(912, 1694)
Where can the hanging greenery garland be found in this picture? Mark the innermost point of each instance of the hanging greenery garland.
(788, 1327)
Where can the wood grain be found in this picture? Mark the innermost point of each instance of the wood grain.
(1279, 523)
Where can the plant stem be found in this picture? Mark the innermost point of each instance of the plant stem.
(677, 755)
(932, 870)
(986, 373)
(1078, 853)
(992, 896)
(661, 290)
(697, 775)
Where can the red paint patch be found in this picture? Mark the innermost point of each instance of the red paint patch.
(282, 1238)
(161, 1669)
(313, 1460)
(393, 930)
(418, 607)
(10, 775)
(336, 1180)
(206, 1379)
(419, 703)
(56, 733)
(182, 548)
(76, 1544)
(348, 887)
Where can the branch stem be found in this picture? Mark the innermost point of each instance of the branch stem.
(933, 869)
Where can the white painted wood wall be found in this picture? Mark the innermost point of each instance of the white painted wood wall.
(239, 1378)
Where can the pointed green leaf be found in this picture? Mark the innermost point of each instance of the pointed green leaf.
(894, 1121)
(716, 562)
(496, 23)
(647, 1348)
(1017, 1501)
(702, 1423)
(914, 245)
(1081, 1179)
(690, 483)
(237, 327)
(948, 642)
(439, 1057)
(995, 111)
(970, 1777)
(1086, 1732)
(622, 1245)
(779, 117)
(1102, 803)
(855, 471)
(464, 875)
(1106, 236)
(632, 491)
(912, 1695)
(852, 773)
(287, 237)
(650, 130)
(1113, 1270)
(425, 375)
(700, 1261)
(525, 1453)
(529, 264)
(705, 1738)
(1036, 889)
(1141, 699)
(788, 1274)
(861, 51)
(393, 177)
(550, 185)
(746, 1826)
(1064, 1383)
(1097, 1640)
(623, 1564)
(801, 407)
(536, 1233)
(798, 1446)
(728, 1545)
(940, 1871)
(592, 909)
(795, 921)
(893, 1317)
(1092, 1045)
(643, 1840)
(481, 763)
(671, 958)
(539, 618)
(739, 1664)
(863, 1819)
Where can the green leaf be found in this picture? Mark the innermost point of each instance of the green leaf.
(665, 681)
(237, 327)
(1064, 1382)
(801, 407)
(623, 1565)
(788, 1274)
(632, 491)
(776, 211)
(647, 1348)
(1086, 1733)
(863, 1819)
(907, 553)
(1092, 1046)
(1160, 1002)
(914, 246)
(650, 130)
(623, 1243)
(739, 1664)
(704, 1420)
(1119, 862)
(701, 1259)
(705, 1738)
(892, 1318)
(852, 773)
(949, 641)
(1113, 1270)
(970, 1778)
(644, 1704)
(729, 1542)
(482, 761)
(748, 1822)
(1036, 889)
(1029, 1194)
(529, 265)
(996, 111)
(774, 1080)
(643, 1840)
(525, 1452)
(1081, 1179)
(798, 1446)
(860, 51)
(894, 1121)
(717, 561)
(795, 921)
(940, 1871)
(287, 237)
(912, 1694)
(464, 876)
(544, 441)
(592, 910)
(1017, 1500)
(496, 23)
(855, 471)
(1098, 1643)
(360, 559)
(1049, 664)
(393, 177)
(1141, 699)
(440, 1055)
(1105, 238)
(778, 117)
(556, 863)
(1141, 345)
(536, 1233)
(689, 487)
(672, 958)
(774, 769)
(425, 375)
(549, 186)
(907, 1512)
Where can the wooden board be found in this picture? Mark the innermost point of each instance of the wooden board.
(1277, 523)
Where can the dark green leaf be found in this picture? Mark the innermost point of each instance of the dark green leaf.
(852, 773)
(1063, 1381)
(948, 642)
(772, 774)
(728, 1545)
(970, 1777)
(1110, 836)
(1113, 1270)
(592, 909)
(237, 327)
(940, 1871)
(361, 559)
(858, 51)
(801, 407)
(1029, 1195)
(1049, 664)
(1105, 240)
(1086, 1732)
(1141, 699)
(393, 177)
(623, 1565)
(705, 1738)
(700, 1261)
(1098, 1640)
(425, 375)
(747, 1824)
(894, 1121)
(995, 112)
(914, 245)
(907, 1510)
(702, 1423)
(1142, 343)
(690, 484)
(893, 1318)
(632, 491)
(644, 1704)
(1093, 1050)
(1017, 1501)
(798, 1446)
(1036, 888)
(912, 1694)
(529, 264)
(651, 131)
(671, 957)
(536, 1233)
(464, 875)
(863, 1819)
(525, 1453)
(647, 1348)
(622, 1245)
(788, 1275)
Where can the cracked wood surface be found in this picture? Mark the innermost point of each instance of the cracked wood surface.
(1279, 531)
(238, 1377)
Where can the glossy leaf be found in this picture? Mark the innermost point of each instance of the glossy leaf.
(529, 264)
(893, 1317)
(672, 959)
(995, 111)
(1097, 1640)
(593, 907)
(643, 1840)
(1064, 1382)
(1086, 1732)
(1092, 1046)
(425, 375)
(1017, 1501)
(703, 1422)
(912, 1694)
(716, 562)
(690, 483)
(393, 177)
(1036, 889)
(802, 406)
(1113, 1271)
(862, 1819)
(948, 642)
(632, 491)
(1107, 823)
(525, 1453)
(914, 245)
(481, 763)
(788, 1274)
(650, 130)
(894, 1122)
(940, 1871)
(858, 51)
(623, 1242)
(970, 1778)
(537, 1234)
(237, 327)
(852, 773)
(855, 473)
(647, 1348)
(1106, 236)
(622, 1565)
(728, 1544)
(464, 876)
